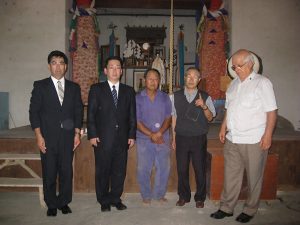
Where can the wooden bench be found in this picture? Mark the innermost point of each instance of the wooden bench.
(12, 159)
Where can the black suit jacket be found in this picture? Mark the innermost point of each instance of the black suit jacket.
(50, 116)
(104, 118)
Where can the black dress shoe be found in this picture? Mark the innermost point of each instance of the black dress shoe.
(105, 208)
(119, 206)
(65, 209)
(243, 218)
(51, 212)
(220, 214)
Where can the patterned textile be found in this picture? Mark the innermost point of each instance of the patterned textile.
(85, 57)
(60, 92)
(212, 56)
(213, 48)
(115, 96)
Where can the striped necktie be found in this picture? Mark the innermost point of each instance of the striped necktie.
(115, 96)
(60, 92)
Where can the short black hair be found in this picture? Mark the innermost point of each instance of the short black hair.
(151, 70)
(113, 58)
(57, 53)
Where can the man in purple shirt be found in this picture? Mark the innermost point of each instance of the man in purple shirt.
(153, 141)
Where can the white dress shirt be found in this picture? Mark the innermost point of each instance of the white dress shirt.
(247, 104)
(116, 86)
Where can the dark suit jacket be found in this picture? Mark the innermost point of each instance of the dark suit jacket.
(50, 116)
(104, 118)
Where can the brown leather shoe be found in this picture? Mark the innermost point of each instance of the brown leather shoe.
(199, 204)
(181, 202)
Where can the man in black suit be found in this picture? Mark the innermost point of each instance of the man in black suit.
(56, 113)
(111, 131)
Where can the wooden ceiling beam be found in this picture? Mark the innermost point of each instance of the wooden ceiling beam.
(148, 4)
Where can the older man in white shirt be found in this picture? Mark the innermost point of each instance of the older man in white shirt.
(247, 131)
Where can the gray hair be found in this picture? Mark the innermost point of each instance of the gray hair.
(249, 58)
(193, 68)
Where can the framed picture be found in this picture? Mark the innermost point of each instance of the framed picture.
(104, 49)
(138, 80)
(159, 50)
(104, 54)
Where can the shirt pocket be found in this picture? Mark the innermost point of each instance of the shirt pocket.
(249, 100)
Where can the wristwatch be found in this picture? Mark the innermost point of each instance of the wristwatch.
(205, 107)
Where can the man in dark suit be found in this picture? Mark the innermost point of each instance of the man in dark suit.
(56, 113)
(111, 130)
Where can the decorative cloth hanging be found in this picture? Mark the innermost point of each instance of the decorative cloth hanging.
(112, 43)
(159, 65)
(181, 56)
(212, 47)
(84, 47)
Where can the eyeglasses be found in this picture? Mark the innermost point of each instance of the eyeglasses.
(234, 67)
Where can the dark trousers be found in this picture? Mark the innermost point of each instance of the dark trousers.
(57, 161)
(110, 172)
(193, 148)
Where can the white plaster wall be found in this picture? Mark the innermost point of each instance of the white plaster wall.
(271, 28)
(122, 21)
(30, 29)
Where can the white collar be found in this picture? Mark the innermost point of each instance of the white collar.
(116, 85)
(62, 80)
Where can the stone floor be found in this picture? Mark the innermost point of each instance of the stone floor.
(22, 208)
